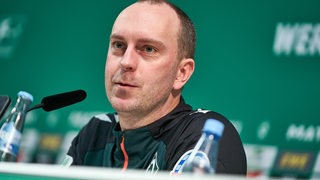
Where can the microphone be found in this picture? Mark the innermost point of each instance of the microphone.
(57, 101)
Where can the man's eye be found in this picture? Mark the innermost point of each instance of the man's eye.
(118, 45)
(149, 49)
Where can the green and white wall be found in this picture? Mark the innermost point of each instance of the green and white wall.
(257, 63)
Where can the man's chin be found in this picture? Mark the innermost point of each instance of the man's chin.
(122, 106)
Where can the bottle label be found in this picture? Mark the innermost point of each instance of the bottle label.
(67, 161)
(199, 156)
(9, 139)
(177, 169)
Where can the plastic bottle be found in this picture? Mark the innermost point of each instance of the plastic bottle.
(203, 158)
(11, 130)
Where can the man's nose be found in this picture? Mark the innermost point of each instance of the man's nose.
(129, 59)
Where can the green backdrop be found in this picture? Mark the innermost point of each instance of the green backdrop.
(257, 63)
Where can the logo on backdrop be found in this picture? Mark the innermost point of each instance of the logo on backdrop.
(263, 130)
(300, 39)
(303, 133)
(293, 163)
(11, 28)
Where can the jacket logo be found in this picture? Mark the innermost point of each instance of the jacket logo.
(200, 111)
(153, 166)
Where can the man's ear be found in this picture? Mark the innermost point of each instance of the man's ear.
(185, 70)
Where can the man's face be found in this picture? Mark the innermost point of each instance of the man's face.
(142, 63)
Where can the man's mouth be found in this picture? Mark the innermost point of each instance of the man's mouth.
(125, 84)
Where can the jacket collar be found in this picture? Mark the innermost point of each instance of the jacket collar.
(170, 120)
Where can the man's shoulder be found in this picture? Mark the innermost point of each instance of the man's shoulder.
(205, 114)
(230, 146)
(101, 122)
(106, 117)
(199, 117)
(189, 124)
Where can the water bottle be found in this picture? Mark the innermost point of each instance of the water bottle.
(203, 158)
(11, 130)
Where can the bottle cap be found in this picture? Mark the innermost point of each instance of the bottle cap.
(214, 126)
(25, 95)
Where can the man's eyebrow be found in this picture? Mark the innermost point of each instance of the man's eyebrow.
(116, 36)
(151, 41)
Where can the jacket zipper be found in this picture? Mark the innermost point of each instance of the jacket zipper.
(126, 158)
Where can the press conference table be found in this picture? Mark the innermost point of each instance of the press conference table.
(56, 172)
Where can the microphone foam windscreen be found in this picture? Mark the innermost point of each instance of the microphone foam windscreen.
(61, 100)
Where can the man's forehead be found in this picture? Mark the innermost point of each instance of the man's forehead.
(156, 13)
(147, 20)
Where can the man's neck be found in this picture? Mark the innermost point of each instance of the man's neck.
(134, 120)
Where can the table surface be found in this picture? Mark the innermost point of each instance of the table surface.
(50, 172)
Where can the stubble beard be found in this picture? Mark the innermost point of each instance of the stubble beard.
(140, 106)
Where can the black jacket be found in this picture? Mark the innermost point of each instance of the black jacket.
(157, 146)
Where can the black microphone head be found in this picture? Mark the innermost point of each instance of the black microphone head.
(57, 101)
